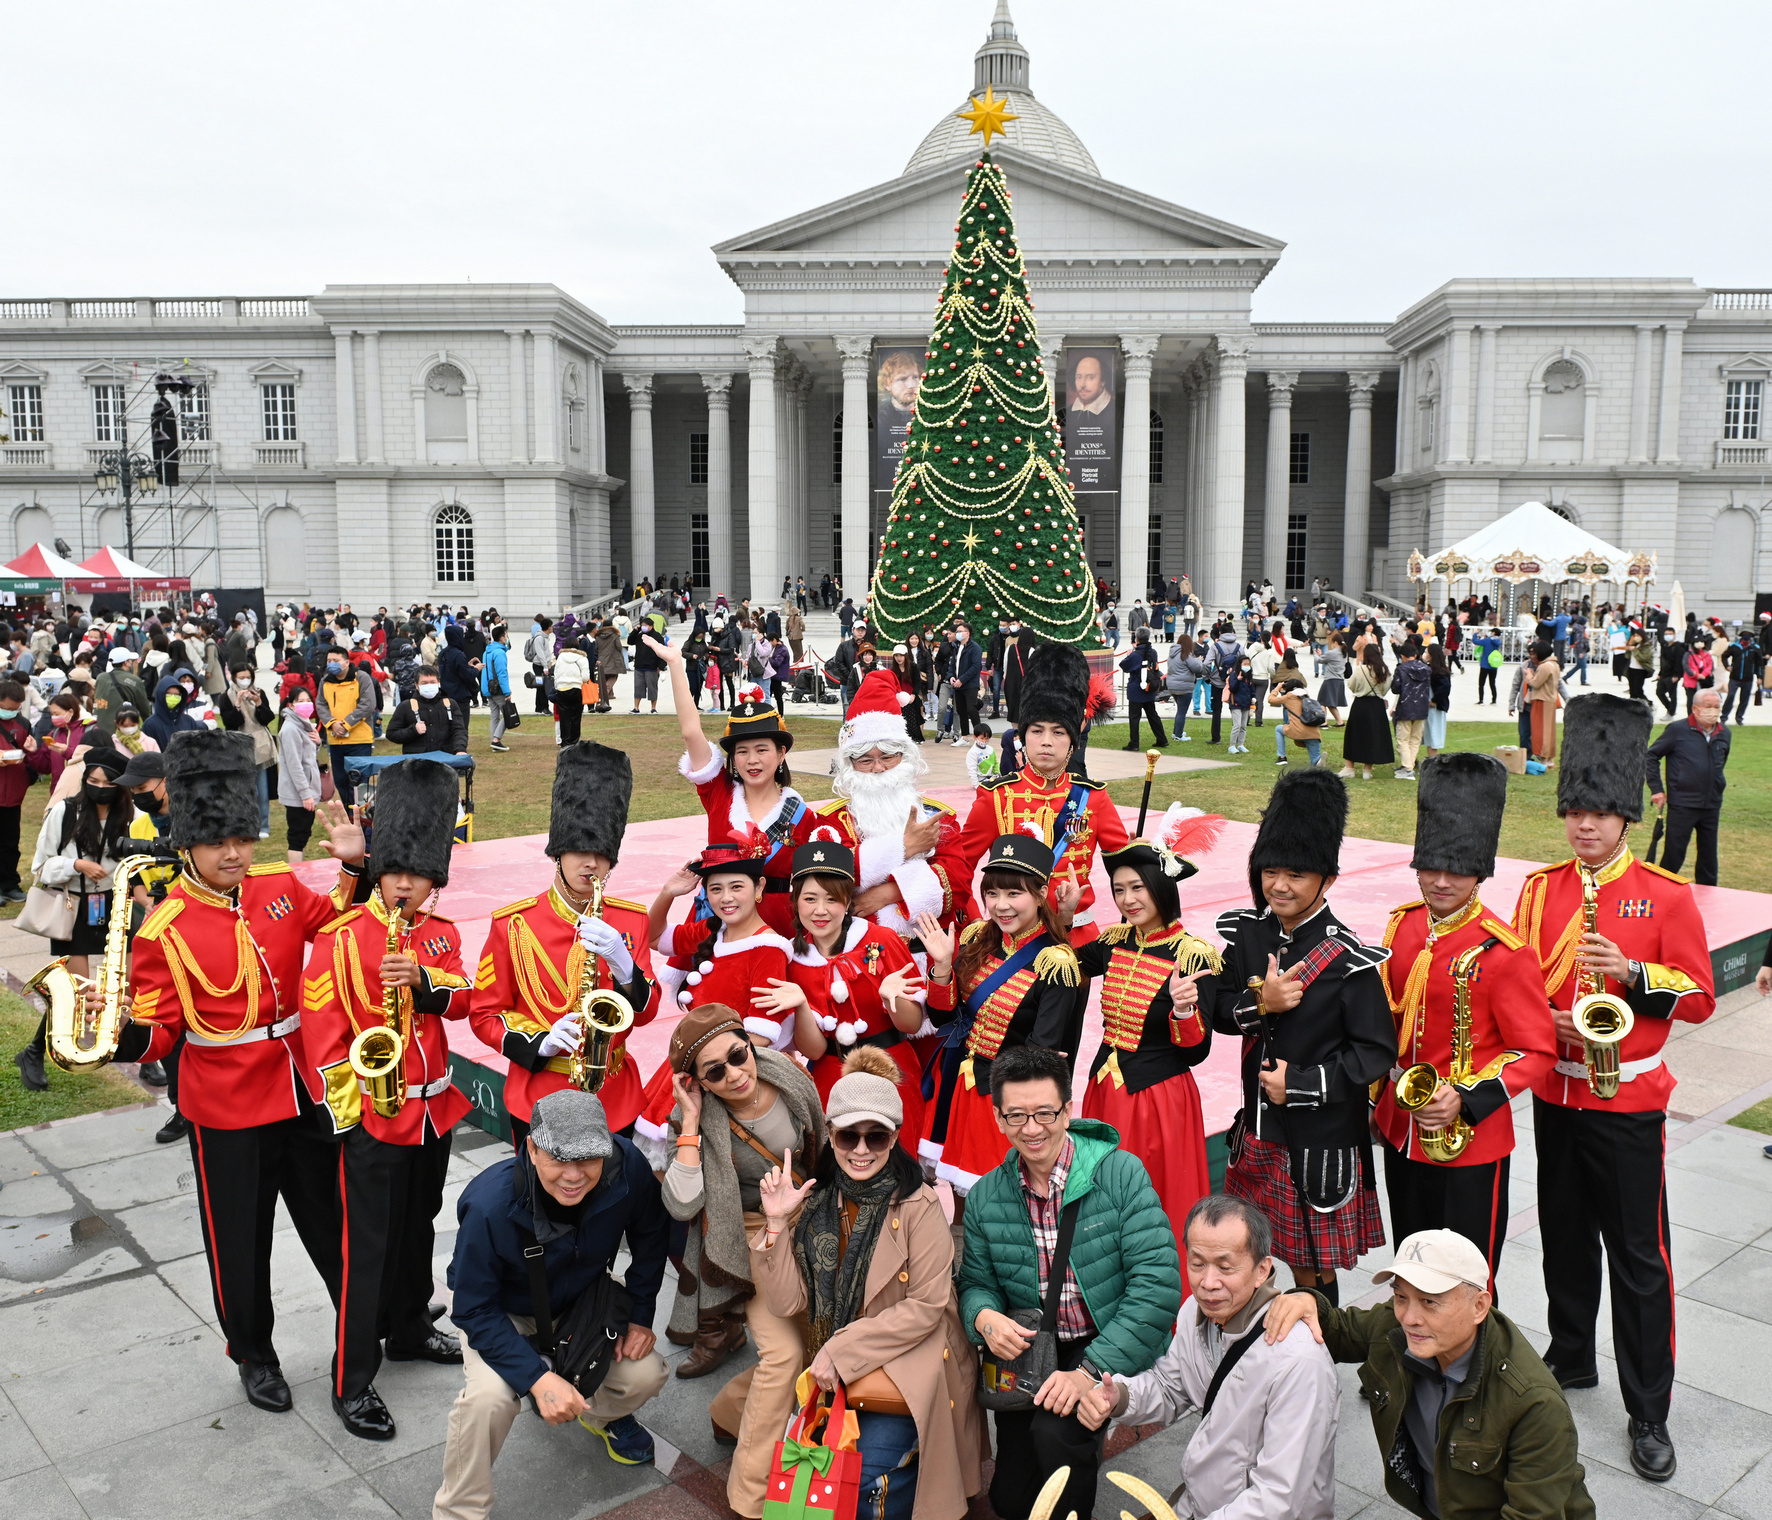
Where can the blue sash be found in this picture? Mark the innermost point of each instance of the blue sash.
(980, 995)
(1076, 805)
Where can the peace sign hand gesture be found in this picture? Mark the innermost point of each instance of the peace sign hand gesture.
(780, 1198)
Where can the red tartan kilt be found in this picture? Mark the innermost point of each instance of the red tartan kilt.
(1264, 1178)
(974, 1144)
(1162, 1126)
(828, 1067)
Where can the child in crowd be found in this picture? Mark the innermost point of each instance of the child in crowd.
(1240, 693)
(980, 762)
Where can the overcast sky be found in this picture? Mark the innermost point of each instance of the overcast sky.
(271, 150)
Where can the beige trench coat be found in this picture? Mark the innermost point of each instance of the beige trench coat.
(911, 1327)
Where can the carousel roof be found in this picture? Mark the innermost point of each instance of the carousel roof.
(1532, 542)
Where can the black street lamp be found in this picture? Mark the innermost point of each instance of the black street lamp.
(132, 473)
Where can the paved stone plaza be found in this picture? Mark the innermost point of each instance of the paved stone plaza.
(117, 1403)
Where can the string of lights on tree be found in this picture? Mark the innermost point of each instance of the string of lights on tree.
(983, 521)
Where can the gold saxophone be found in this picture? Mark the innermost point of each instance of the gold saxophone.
(1602, 1019)
(603, 1013)
(378, 1054)
(1417, 1086)
(83, 1038)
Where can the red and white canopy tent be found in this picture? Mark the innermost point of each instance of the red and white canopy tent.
(112, 570)
(40, 562)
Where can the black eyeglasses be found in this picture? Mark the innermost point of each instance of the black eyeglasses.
(862, 1139)
(737, 1056)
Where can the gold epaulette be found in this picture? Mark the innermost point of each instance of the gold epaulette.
(1503, 932)
(972, 931)
(1058, 963)
(270, 868)
(1002, 778)
(1398, 914)
(1194, 955)
(160, 918)
(939, 807)
(827, 808)
(615, 902)
(1088, 783)
(1665, 875)
(343, 918)
(1115, 934)
(438, 918)
(517, 907)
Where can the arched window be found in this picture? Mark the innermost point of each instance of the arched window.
(286, 553)
(1156, 453)
(455, 545)
(1565, 402)
(34, 525)
(1732, 554)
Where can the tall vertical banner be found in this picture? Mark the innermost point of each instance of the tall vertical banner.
(898, 372)
(1091, 380)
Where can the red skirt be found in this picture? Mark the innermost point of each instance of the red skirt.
(974, 1144)
(828, 1067)
(1264, 1178)
(1162, 1126)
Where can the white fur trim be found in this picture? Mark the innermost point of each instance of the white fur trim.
(861, 733)
(961, 1182)
(780, 1036)
(753, 942)
(670, 978)
(920, 888)
(657, 1149)
(646, 1128)
(716, 763)
(811, 955)
(878, 858)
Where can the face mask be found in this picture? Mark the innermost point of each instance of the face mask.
(61, 719)
(98, 793)
(302, 709)
(147, 802)
(8, 712)
(429, 690)
(174, 698)
(123, 728)
(243, 680)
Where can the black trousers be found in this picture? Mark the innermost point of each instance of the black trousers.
(390, 1195)
(572, 715)
(1665, 688)
(1469, 1199)
(1635, 676)
(1486, 676)
(1033, 1444)
(1601, 1181)
(1217, 709)
(1682, 824)
(1737, 697)
(966, 708)
(9, 881)
(240, 1175)
(1149, 711)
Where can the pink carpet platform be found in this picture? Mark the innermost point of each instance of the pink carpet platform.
(1375, 877)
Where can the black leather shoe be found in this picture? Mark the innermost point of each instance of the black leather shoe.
(365, 1415)
(153, 1073)
(174, 1129)
(435, 1347)
(1651, 1450)
(265, 1388)
(1568, 1379)
(30, 1066)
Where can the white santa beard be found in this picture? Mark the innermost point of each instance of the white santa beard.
(880, 802)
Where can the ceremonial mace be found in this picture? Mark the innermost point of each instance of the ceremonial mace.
(1151, 757)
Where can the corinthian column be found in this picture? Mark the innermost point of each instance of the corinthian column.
(642, 515)
(855, 351)
(1277, 508)
(1224, 545)
(719, 389)
(1357, 508)
(764, 506)
(1135, 467)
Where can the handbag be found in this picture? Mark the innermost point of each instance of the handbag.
(513, 718)
(582, 1347)
(1011, 1385)
(809, 1481)
(876, 1393)
(50, 912)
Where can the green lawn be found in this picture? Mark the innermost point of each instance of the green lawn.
(1758, 1118)
(67, 1095)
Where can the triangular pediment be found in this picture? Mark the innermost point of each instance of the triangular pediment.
(1057, 212)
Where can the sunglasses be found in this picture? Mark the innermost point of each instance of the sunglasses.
(736, 1057)
(879, 1140)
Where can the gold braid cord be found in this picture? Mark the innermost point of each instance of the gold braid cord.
(185, 967)
(529, 961)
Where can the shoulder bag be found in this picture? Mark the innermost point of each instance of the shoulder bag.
(1012, 1385)
(50, 912)
(582, 1347)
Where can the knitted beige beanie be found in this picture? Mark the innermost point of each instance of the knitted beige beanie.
(868, 1089)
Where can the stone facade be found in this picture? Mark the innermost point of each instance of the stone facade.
(513, 425)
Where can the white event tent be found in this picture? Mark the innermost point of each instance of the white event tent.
(1533, 543)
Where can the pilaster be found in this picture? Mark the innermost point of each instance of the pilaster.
(719, 389)
(346, 369)
(855, 350)
(642, 505)
(761, 354)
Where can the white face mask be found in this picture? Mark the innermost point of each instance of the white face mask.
(428, 690)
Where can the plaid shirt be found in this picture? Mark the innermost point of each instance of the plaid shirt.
(1074, 1322)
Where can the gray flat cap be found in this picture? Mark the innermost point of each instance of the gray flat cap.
(570, 1126)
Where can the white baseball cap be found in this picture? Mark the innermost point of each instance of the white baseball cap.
(1436, 1261)
(121, 656)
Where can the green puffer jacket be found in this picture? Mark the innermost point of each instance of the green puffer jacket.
(1123, 1252)
(1507, 1439)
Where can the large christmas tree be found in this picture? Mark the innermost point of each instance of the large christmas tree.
(983, 522)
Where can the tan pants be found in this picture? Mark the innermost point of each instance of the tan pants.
(1409, 735)
(756, 1404)
(486, 1407)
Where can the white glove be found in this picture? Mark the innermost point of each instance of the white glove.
(562, 1039)
(605, 940)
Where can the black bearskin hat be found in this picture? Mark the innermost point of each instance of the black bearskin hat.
(415, 807)
(1054, 689)
(1301, 828)
(1605, 756)
(211, 787)
(592, 785)
(1458, 808)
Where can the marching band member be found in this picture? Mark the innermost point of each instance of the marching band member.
(538, 954)
(1012, 980)
(221, 960)
(1158, 986)
(391, 1163)
(1607, 922)
(1306, 996)
(1446, 1163)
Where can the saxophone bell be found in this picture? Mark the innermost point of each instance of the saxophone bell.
(378, 1054)
(83, 1035)
(603, 1013)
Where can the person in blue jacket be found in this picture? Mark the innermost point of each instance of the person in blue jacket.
(495, 681)
(577, 1191)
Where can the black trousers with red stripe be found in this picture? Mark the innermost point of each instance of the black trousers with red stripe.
(1469, 1199)
(240, 1175)
(1601, 1181)
(390, 1195)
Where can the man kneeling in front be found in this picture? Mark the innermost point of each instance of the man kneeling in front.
(576, 1190)
(1265, 1444)
(1469, 1421)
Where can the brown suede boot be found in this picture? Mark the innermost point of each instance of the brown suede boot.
(717, 1336)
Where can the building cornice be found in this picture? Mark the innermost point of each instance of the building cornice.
(393, 308)
(1549, 302)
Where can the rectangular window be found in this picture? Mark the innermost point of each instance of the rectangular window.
(1426, 414)
(1741, 409)
(279, 407)
(1301, 459)
(698, 540)
(27, 414)
(107, 413)
(1295, 550)
(837, 451)
(698, 465)
(1154, 550)
(837, 545)
(572, 427)
(193, 416)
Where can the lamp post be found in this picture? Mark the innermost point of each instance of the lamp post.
(130, 473)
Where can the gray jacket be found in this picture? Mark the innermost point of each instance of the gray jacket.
(298, 765)
(1183, 672)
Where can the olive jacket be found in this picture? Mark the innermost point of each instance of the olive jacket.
(1507, 1440)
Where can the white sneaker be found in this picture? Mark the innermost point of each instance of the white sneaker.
(1185, 738)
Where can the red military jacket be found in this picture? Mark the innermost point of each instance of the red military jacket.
(729, 821)
(342, 996)
(1512, 1039)
(226, 968)
(937, 884)
(1010, 804)
(528, 980)
(1650, 915)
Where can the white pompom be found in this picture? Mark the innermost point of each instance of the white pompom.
(694, 978)
(706, 968)
(826, 1022)
(845, 1034)
(861, 1027)
(839, 989)
(685, 999)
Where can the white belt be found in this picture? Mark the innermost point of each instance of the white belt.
(416, 1089)
(252, 1036)
(1628, 1071)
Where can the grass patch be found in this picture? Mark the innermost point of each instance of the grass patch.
(1758, 1118)
(67, 1095)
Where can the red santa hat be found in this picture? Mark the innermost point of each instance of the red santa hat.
(876, 716)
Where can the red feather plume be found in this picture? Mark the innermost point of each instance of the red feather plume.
(1188, 837)
(1100, 701)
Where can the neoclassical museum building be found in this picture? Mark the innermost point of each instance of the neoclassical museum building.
(504, 445)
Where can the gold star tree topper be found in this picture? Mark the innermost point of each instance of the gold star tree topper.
(988, 115)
